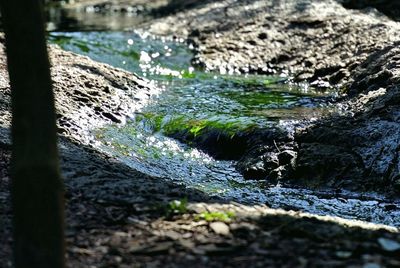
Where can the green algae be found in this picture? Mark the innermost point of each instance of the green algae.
(170, 125)
(254, 80)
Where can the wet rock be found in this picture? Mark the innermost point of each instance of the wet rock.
(388, 244)
(88, 94)
(377, 71)
(388, 7)
(312, 40)
(271, 166)
(270, 159)
(287, 157)
(258, 165)
(326, 164)
(363, 147)
(254, 171)
(218, 143)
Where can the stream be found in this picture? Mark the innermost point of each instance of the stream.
(192, 100)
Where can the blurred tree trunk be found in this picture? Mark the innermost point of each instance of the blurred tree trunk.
(37, 190)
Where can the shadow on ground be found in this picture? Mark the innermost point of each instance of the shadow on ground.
(390, 8)
(116, 217)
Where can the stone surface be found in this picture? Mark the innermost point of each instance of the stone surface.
(388, 244)
(220, 228)
(315, 40)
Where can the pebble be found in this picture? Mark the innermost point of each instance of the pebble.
(220, 228)
(371, 265)
(388, 244)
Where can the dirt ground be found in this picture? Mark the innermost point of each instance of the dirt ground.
(137, 228)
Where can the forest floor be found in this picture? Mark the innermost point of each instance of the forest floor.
(119, 217)
(142, 226)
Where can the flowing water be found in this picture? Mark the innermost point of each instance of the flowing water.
(193, 100)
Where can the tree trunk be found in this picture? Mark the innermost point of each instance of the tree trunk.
(37, 190)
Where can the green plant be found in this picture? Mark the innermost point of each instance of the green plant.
(216, 216)
(176, 207)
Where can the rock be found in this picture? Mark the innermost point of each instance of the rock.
(343, 254)
(324, 163)
(389, 244)
(287, 157)
(326, 39)
(173, 235)
(371, 265)
(220, 228)
(155, 249)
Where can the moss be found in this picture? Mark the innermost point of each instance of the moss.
(254, 80)
(120, 148)
(188, 75)
(131, 54)
(60, 40)
(216, 216)
(194, 127)
(99, 134)
(83, 47)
